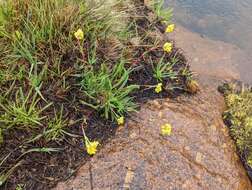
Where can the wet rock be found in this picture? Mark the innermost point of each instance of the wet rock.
(197, 156)
(214, 58)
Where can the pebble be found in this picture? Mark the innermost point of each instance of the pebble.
(198, 157)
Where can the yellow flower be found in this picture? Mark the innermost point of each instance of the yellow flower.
(249, 161)
(92, 147)
(79, 35)
(158, 88)
(170, 28)
(120, 120)
(166, 129)
(167, 47)
(231, 99)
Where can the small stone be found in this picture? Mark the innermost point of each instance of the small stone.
(187, 148)
(133, 135)
(213, 128)
(156, 104)
(160, 114)
(196, 59)
(219, 179)
(128, 178)
(224, 145)
(166, 104)
(186, 183)
(151, 119)
(198, 176)
(198, 157)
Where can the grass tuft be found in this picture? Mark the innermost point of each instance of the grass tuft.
(108, 92)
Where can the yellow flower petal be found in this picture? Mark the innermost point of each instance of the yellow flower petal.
(120, 120)
(170, 28)
(92, 147)
(158, 88)
(166, 129)
(167, 47)
(79, 35)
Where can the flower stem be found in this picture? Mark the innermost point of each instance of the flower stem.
(84, 135)
(81, 50)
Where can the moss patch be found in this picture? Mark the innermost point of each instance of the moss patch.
(238, 117)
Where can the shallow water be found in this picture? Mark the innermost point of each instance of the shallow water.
(229, 21)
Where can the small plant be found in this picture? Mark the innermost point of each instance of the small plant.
(5, 174)
(56, 127)
(108, 92)
(23, 113)
(47, 150)
(163, 13)
(239, 116)
(164, 70)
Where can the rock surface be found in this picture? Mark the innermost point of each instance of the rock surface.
(198, 155)
(213, 58)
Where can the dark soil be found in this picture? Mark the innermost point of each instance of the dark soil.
(42, 171)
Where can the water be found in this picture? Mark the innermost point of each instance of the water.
(224, 20)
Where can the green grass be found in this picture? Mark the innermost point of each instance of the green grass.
(35, 38)
(56, 127)
(164, 13)
(164, 70)
(40, 58)
(50, 81)
(108, 91)
(23, 112)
